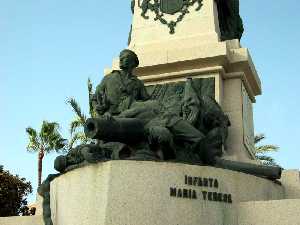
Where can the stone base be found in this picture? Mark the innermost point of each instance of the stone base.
(161, 193)
(157, 193)
(22, 220)
(280, 212)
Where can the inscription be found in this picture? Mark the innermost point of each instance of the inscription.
(201, 182)
(216, 197)
(183, 193)
(205, 195)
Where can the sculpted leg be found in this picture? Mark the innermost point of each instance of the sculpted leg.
(184, 131)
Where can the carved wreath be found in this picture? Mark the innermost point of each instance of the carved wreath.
(159, 15)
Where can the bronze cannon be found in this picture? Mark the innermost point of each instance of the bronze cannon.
(132, 130)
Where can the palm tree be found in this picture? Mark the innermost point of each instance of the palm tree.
(76, 126)
(261, 150)
(47, 140)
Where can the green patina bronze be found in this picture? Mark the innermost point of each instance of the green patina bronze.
(161, 7)
(171, 6)
(174, 122)
(231, 24)
(178, 121)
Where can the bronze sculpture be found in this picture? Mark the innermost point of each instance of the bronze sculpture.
(132, 124)
(121, 101)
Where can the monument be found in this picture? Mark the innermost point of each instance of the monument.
(173, 132)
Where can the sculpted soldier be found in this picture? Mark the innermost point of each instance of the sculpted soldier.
(121, 94)
(154, 128)
(121, 88)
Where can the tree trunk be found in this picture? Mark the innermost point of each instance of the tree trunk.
(40, 166)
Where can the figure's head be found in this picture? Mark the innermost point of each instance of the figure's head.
(128, 60)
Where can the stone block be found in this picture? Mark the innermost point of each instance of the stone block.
(193, 24)
(22, 220)
(291, 181)
(154, 193)
(232, 100)
(280, 212)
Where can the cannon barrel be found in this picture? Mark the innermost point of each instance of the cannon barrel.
(270, 172)
(125, 130)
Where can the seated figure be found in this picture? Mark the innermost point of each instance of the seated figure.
(120, 95)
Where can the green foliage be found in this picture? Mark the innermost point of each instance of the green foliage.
(79, 136)
(13, 192)
(262, 150)
(80, 116)
(48, 139)
(77, 124)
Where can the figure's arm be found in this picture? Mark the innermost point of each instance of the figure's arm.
(129, 113)
(144, 96)
(102, 103)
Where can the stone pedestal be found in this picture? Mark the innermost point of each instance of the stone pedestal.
(155, 193)
(161, 193)
(280, 212)
(196, 27)
(291, 182)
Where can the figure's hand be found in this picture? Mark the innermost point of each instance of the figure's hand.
(108, 116)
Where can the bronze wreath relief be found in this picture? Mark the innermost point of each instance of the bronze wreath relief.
(162, 7)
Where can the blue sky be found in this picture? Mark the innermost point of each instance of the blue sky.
(49, 48)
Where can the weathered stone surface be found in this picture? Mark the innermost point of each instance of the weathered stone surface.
(280, 212)
(135, 193)
(22, 220)
(202, 24)
(291, 181)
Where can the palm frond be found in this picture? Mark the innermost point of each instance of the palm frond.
(58, 144)
(261, 150)
(48, 128)
(31, 132)
(266, 148)
(75, 124)
(33, 144)
(55, 142)
(50, 137)
(80, 136)
(258, 138)
(76, 108)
